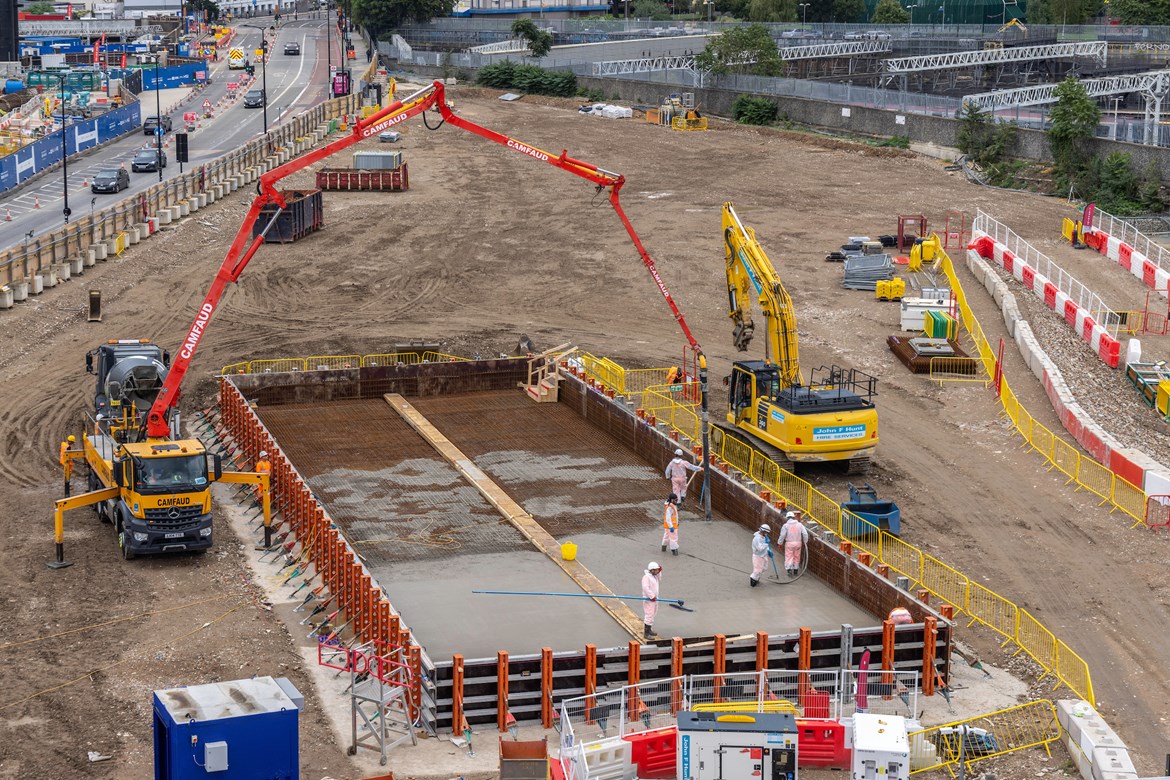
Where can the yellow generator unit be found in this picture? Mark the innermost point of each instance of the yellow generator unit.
(678, 112)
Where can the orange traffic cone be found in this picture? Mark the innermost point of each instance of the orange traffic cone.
(7, 215)
(36, 201)
(85, 182)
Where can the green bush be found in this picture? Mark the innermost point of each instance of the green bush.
(528, 78)
(753, 110)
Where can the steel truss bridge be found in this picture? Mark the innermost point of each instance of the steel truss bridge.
(901, 68)
(787, 53)
(1153, 86)
(90, 27)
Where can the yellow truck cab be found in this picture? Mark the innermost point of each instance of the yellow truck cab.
(163, 502)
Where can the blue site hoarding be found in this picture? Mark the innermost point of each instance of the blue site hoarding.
(27, 162)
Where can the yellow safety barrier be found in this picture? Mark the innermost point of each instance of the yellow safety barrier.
(926, 572)
(119, 243)
(958, 369)
(682, 123)
(334, 362)
(976, 739)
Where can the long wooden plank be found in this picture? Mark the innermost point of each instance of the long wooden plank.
(525, 523)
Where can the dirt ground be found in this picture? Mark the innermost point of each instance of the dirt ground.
(485, 246)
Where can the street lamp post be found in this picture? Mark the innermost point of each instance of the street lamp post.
(328, 55)
(158, 128)
(804, 9)
(1116, 103)
(65, 154)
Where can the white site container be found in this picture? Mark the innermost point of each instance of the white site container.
(881, 747)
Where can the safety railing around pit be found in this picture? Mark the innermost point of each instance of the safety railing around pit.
(1128, 233)
(367, 612)
(981, 605)
(334, 362)
(37, 255)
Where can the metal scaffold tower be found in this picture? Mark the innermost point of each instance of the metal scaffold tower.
(383, 714)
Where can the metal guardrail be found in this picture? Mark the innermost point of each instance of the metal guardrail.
(336, 362)
(35, 256)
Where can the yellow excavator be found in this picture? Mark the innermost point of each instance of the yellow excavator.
(831, 417)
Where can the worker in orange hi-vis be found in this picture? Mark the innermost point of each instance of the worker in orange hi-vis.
(262, 467)
(650, 595)
(793, 536)
(670, 524)
(676, 472)
(67, 463)
(900, 616)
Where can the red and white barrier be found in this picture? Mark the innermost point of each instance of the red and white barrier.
(1129, 258)
(1107, 347)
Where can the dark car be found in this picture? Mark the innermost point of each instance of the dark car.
(111, 180)
(254, 98)
(148, 160)
(292, 47)
(148, 127)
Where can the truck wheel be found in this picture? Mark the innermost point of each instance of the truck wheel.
(127, 553)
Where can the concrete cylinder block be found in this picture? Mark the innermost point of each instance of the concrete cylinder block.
(77, 266)
(176, 212)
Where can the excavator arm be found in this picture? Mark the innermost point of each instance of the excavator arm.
(748, 269)
(244, 246)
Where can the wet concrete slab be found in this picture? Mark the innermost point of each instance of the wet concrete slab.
(430, 539)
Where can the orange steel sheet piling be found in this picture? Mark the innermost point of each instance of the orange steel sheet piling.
(502, 691)
(546, 687)
(457, 695)
(930, 642)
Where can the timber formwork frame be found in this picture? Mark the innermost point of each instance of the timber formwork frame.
(989, 64)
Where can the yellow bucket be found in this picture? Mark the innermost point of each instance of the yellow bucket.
(569, 551)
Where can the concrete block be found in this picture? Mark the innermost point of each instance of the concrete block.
(198, 201)
(217, 191)
(37, 285)
(164, 216)
(100, 250)
(132, 235)
(1108, 762)
(76, 266)
(111, 247)
(209, 197)
(145, 230)
(1082, 762)
(90, 257)
(183, 207)
(6, 301)
(20, 290)
(49, 278)
(64, 271)
(176, 212)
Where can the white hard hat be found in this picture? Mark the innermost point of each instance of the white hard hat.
(263, 453)
(652, 566)
(765, 527)
(678, 452)
(791, 515)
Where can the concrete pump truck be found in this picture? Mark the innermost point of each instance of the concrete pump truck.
(831, 417)
(147, 429)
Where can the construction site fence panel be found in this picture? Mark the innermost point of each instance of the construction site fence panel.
(973, 740)
(940, 580)
(36, 256)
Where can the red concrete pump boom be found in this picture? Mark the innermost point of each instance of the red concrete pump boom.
(244, 246)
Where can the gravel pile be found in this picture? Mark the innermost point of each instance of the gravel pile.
(1103, 392)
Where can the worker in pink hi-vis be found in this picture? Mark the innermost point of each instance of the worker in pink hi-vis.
(761, 552)
(793, 536)
(670, 524)
(676, 472)
(650, 593)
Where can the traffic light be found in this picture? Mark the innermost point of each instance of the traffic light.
(181, 147)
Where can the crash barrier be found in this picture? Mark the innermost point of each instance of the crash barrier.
(1157, 512)
(1096, 324)
(977, 739)
(327, 362)
(1115, 473)
(367, 613)
(1124, 244)
(925, 572)
(803, 669)
(224, 174)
